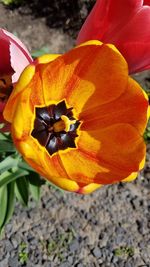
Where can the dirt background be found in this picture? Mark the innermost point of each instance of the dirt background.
(109, 228)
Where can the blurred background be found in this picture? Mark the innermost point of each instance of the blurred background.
(109, 228)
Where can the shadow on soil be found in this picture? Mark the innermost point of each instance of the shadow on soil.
(66, 14)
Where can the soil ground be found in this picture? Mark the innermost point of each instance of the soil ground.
(109, 228)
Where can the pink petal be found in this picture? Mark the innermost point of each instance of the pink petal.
(14, 57)
(13, 54)
(20, 45)
(18, 61)
(5, 66)
(17, 51)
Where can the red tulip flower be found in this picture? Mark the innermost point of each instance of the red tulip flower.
(124, 23)
(14, 57)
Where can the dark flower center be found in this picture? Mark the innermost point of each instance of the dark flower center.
(55, 127)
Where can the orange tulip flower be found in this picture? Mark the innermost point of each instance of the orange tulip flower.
(78, 118)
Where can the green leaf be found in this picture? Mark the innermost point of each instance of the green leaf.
(10, 203)
(35, 179)
(1, 125)
(25, 166)
(35, 184)
(11, 2)
(6, 146)
(3, 204)
(7, 164)
(5, 136)
(40, 52)
(35, 192)
(8, 177)
(22, 190)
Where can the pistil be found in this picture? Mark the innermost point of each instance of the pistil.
(63, 125)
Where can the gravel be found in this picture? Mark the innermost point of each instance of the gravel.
(109, 228)
(61, 235)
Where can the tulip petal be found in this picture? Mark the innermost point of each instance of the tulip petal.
(76, 77)
(24, 81)
(27, 102)
(134, 52)
(134, 41)
(81, 167)
(124, 24)
(131, 177)
(121, 150)
(46, 58)
(107, 17)
(5, 66)
(133, 30)
(87, 189)
(17, 65)
(105, 156)
(16, 41)
(49, 167)
(147, 2)
(13, 48)
(130, 105)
